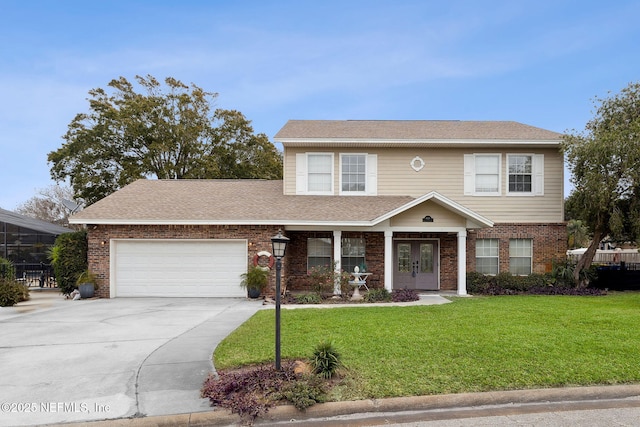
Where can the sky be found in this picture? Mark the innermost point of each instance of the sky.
(540, 62)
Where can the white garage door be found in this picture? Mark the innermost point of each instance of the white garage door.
(179, 268)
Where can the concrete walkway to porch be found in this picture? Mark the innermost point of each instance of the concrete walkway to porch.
(426, 298)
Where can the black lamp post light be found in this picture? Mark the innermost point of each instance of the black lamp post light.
(279, 247)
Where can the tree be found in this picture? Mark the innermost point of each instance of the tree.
(605, 164)
(172, 134)
(49, 205)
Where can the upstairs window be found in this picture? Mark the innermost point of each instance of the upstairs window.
(353, 176)
(525, 174)
(319, 173)
(482, 174)
(358, 174)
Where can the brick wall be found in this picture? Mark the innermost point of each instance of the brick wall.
(259, 239)
(549, 243)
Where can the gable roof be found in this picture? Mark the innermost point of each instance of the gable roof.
(431, 132)
(31, 223)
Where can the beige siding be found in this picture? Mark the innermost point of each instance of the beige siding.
(444, 172)
(442, 217)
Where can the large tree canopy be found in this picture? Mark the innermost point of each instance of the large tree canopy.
(605, 164)
(165, 134)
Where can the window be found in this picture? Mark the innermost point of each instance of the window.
(487, 174)
(358, 174)
(353, 172)
(487, 256)
(352, 254)
(319, 252)
(482, 174)
(520, 256)
(525, 174)
(520, 173)
(320, 173)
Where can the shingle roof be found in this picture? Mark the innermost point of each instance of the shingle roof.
(229, 202)
(412, 130)
(31, 223)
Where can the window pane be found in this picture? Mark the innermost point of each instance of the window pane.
(520, 256)
(520, 173)
(426, 258)
(487, 174)
(319, 172)
(353, 172)
(404, 258)
(487, 256)
(352, 254)
(319, 247)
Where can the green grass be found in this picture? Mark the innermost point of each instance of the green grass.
(472, 344)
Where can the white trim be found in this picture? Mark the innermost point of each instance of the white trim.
(462, 262)
(388, 260)
(442, 201)
(337, 259)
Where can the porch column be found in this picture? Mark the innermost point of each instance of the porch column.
(462, 262)
(388, 260)
(337, 255)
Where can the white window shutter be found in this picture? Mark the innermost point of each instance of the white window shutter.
(372, 175)
(469, 174)
(538, 174)
(301, 173)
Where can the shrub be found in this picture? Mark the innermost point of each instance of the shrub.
(6, 269)
(250, 392)
(308, 298)
(325, 360)
(322, 279)
(377, 295)
(70, 259)
(404, 295)
(306, 391)
(12, 292)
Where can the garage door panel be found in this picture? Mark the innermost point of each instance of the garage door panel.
(208, 268)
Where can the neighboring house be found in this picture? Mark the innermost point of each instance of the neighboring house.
(415, 203)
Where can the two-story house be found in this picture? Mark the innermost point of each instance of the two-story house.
(415, 203)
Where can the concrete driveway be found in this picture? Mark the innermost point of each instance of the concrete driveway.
(67, 361)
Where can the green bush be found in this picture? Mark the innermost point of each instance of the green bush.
(308, 298)
(6, 269)
(325, 360)
(70, 260)
(377, 295)
(12, 292)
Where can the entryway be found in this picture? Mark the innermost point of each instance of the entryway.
(416, 264)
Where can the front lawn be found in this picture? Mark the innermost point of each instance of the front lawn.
(472, 344)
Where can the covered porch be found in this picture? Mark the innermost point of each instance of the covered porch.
(421, 246)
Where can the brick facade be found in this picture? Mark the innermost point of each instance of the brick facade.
(549, 243)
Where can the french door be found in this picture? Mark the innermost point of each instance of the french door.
(416, 264)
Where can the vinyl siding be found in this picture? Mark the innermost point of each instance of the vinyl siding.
(444, 172)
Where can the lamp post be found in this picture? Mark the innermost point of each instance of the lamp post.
(279, 246)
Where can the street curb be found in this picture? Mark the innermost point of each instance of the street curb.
(394, 404)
